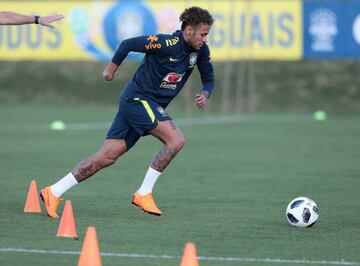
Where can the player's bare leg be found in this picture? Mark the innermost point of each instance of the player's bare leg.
(173, 141)
(107, 155)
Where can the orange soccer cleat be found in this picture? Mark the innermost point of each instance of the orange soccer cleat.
(51, 202)
(146, 203)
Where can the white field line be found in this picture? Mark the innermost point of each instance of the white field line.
(209, 120)
(161, 257)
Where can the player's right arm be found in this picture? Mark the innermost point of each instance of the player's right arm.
(141, 44)
(110, 71)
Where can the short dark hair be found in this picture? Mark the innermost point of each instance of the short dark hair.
(194, 16)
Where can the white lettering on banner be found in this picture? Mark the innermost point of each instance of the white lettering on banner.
(256, 29)
(356, 29)
(16, 37)
(323, 29)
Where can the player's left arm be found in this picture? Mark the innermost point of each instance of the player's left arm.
(207, 77)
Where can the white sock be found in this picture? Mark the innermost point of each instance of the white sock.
(64, 185)
(149, 181)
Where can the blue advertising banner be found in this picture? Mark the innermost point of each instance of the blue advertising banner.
(331, 29)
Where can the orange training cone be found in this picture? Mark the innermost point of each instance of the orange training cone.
(90, 253)
(67, 226)
(189, 258)
(32, 203)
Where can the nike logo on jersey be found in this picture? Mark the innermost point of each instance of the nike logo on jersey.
(174, 59)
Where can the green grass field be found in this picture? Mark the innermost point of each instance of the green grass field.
(226, 191)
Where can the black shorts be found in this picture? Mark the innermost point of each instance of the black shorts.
(135, 118)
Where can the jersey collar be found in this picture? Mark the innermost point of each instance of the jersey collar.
(187, 48)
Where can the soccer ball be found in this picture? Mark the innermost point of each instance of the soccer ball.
(302, 212)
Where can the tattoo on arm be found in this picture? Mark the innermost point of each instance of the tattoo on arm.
(163, 158)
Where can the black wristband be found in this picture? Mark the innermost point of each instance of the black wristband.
(36, 19)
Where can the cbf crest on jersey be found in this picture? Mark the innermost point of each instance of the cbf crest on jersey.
(193, 59)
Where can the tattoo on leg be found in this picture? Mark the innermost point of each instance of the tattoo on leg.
(85, 169)
(173, 126)
(163, 158)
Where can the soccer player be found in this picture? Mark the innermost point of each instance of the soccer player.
(169, 61)
(11, 18)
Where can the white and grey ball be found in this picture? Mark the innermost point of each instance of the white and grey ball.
(302, 212)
